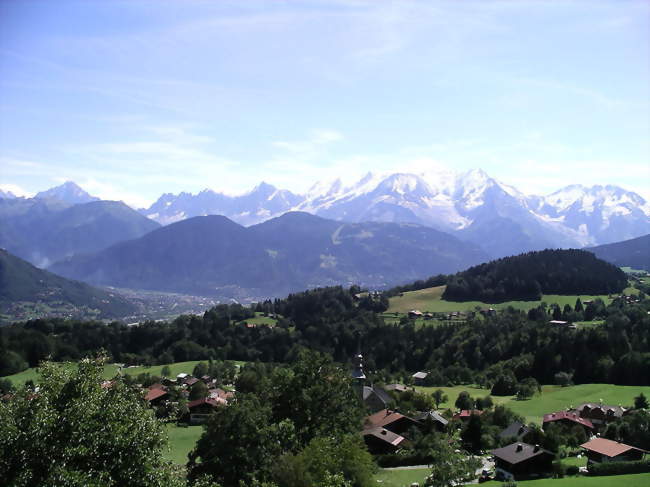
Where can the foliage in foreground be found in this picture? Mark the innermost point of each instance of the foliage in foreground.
(74, 432)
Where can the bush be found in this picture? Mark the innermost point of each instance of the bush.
(619, 468)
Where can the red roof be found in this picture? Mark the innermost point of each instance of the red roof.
(155, 393)
(206, 400)
(561, 415)
(607, 447)
(466, 413)
(383, 417)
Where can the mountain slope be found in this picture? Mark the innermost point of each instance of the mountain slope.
(45, 230)
(633, 253)
(213, 255)
(22, 282)
(68, 192)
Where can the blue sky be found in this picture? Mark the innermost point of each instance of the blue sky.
(135, 98)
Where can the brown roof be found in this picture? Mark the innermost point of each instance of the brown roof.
(519, 452)
(466, 413)
(206, 400)
(384, 417)
(191, 381)
(384, 435)
(155, 393)
(607, 447)
(560, 415)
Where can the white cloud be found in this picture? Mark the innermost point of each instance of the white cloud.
(15, 189)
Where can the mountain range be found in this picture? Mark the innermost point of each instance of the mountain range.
(213, 255)
(634, 253)
(473, 206)
(66, 221)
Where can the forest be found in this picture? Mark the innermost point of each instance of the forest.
(330, 320)
(528, 276)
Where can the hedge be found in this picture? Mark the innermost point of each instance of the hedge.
(619, 468)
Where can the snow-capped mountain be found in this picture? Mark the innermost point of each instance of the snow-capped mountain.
(471, 205)
(261, 203)
(7, 195)
(67, 192)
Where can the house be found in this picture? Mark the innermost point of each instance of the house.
(521, 460)
(599, 413)
(396, 388)
(156, 394)
(516, 430)
(181, 377)
(392, 421)
(568, 419)
(415, 313)
(434, 418)
(419, 377)
(190, 381)
(382, 441)
(464, 414)
(601, 450)
(201, 409)
(375, 398)
(220, 395)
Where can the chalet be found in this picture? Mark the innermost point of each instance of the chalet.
(432, 417)
(516, 430)
(415, 313)
(464, 414)
(375, 398)
(601, 450)
(600, 414)
(201, 409)
(156, 394)
(568, 419)
(220, 395)
(521, 460)
(396, 388)
(392, 421)
(190, 381)
(181, 377)
(419, 377)
(382, 441)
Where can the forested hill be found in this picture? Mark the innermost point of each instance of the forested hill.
(634, 253)
(528, 276)
(22, 282)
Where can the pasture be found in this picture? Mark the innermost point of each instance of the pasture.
(430, 299)
(553, 398)
(388, 477)
(181, 442)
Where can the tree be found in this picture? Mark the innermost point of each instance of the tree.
(563, 379)
(200, 369)
(439, 397)
(165, 371)
(472, 433)
(464, 401)
(198, 391)
(450, 467)
(640, 402)
(74, 432)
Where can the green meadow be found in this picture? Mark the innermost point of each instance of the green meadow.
(181, 441)
(552, 398)
(430, 299)
(400, 478)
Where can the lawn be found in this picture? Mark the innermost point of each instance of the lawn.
(635, 480)
(553, 398)
(181, 442)
(400, 478)
(260, 319)
(430, 299)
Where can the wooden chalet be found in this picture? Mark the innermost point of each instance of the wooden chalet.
(433, 417)
(568, 419)
(600, 414)
(601, 450)
(156, 394)
(381, 441)
(419, 377)
(516, 431)
(392, 421)
(464, 414)
(201, 409)
(521, 460)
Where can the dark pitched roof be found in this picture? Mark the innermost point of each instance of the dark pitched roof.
(515, 430)
(155, 393)
(383, 396)
(433, 415)
(608, 448)
(519, 452)
(606, 410)
(385, 417)
(384, 435)
(560, 415)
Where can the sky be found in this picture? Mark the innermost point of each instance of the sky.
(132, 99)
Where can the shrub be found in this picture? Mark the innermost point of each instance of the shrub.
(619, 468)
(572, 470)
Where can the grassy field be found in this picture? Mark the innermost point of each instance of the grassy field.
(181, 442)
(430, 299)
(553, 398)
(260, 319)
(400, 478)
(636, 480)
(110, 370)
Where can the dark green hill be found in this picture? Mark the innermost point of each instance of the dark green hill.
(43, 231)
(633, 253)
(21, 282)
(213, 255)
(528, 276)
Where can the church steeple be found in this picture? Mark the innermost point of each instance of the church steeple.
(357, 370)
